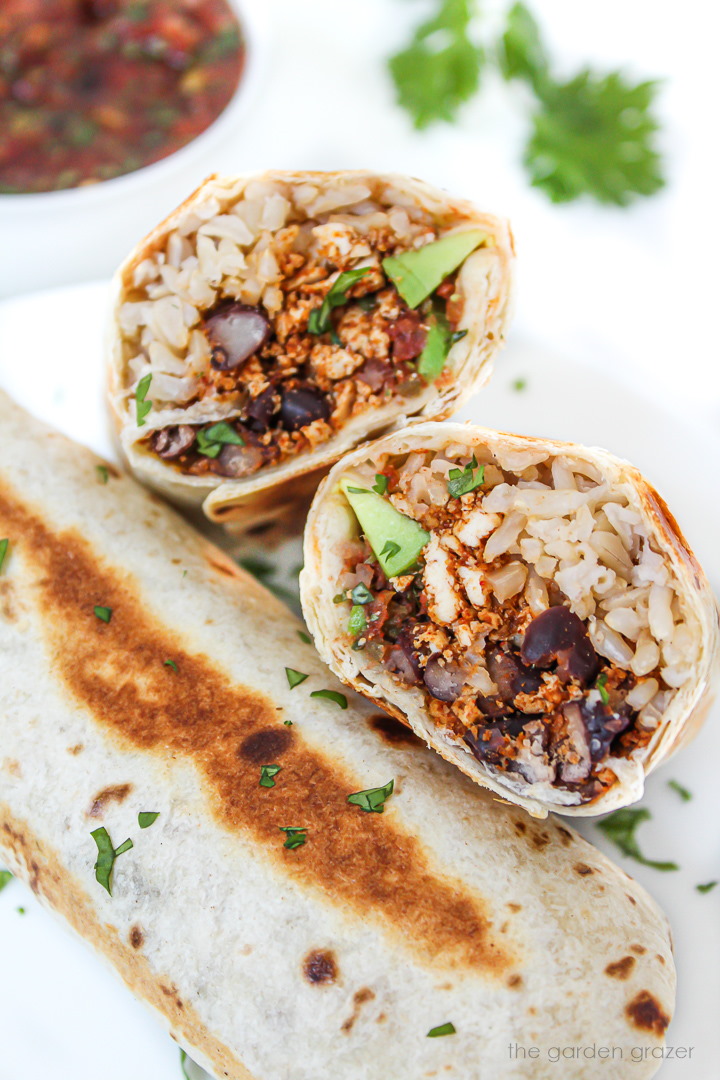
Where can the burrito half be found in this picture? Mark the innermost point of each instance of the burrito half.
(529, 607)
(303, 896)
(272, 322)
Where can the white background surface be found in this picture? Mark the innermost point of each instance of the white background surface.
(615, 333)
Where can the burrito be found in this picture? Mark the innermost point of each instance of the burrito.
(530, 608)
(273, 322)
(295, 895)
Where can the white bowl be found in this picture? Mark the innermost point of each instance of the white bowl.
(83, 233)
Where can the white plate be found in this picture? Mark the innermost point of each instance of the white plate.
(62, 1014)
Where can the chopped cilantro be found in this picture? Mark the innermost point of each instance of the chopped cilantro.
(5, 878)
(4, 544)
(707, 887)
(390, 550)
(107, 855)
(142, 407)
(288, 723)
(331, 695)
(620, 827)
(372, 800)
(295, 836)
(600, 687)
(267, 772)
(147, 817)
(381, 484)
(357, 623)
(519, 385)
(294, 678)
(304, 637)
(170, 664)
(103, 474)
(319, 321)
(462, 481)
(210, 441)
(442, 1029)
(103, 613)
(358, 491)
(683, 792)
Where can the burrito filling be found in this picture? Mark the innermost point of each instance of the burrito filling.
(271, 320)
(521, 596)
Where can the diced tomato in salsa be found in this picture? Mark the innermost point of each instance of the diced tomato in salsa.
(92, 89)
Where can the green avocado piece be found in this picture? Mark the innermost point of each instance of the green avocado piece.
(396, 540)
(418, 273)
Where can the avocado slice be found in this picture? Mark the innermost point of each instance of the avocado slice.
(418, 273)
(396, 540)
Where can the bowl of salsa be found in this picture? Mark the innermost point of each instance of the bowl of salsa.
(102, 100)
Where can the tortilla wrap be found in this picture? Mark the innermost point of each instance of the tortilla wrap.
(547, 525)
(241, 240)
(334, 958)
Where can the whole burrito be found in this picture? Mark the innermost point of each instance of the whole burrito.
(530, 607)
(274, 321)
(280, 930)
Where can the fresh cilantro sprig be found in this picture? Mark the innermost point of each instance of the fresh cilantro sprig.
(210, 441)
(621, 827)
(319, 320)
(592, 134)
(440, 69)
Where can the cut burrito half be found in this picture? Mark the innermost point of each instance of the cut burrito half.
(308, 891)
(529, 607)
(272, 322)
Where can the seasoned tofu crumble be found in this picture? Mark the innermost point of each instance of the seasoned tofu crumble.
(542, 627)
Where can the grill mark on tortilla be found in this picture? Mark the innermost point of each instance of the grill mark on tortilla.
(621, 969)
(393, 732)
(320, 967)
(358, 860)
(115, 793)
(360, 998)
(646, 1014)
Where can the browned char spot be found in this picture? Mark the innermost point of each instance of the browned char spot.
(77, 749)
(640, 950)
(320, 967)
(520, 826)
(583, 869)
(514, 982)
(621, 969)
(136, 937)
(8, 600)
(114, 793)
(632, 899)
(540, 840)
(515, 907)
(360, 998)
(565, 834)
(263, 747)
(645, 1013)
(392, 731)
(660, 958)
(360, 861)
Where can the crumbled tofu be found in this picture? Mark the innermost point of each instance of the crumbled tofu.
(474, 586)
(476, 526)
(331, 362)
(444, 602)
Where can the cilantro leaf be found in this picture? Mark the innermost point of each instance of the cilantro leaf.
(267, 772)
(620, 827)
(107, 855)
(592, 135)
(4, 545)
(295, 836)
(600, 687)
(462, 481)
(210, 441)
(319, 321)
(142, 407)
(440, 69)
(331, 695)
(147, 817)
(441, 1029)
(294, 678)
(707, 887)
(372, 800)
(304, 637)
(103, 613)
(381, 484)
(5, 878)
(103, 474)
(683, 792)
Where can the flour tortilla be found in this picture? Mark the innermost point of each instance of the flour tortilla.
(333, 959)
(484, 281)
(331, 522)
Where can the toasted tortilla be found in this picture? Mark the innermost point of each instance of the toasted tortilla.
(484, 282)
(335, 958)
(331, 522)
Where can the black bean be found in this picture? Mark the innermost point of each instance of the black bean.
(236, 331)
(171, 442)
(261, 410)
(510, 676)
(557, 634)
(443, 678)
(237, 461)
(603, 723)
(493, 738)
(302, 406)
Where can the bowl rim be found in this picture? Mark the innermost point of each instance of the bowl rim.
(254, 25)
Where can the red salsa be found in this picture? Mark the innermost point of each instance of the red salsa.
(91, 89)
